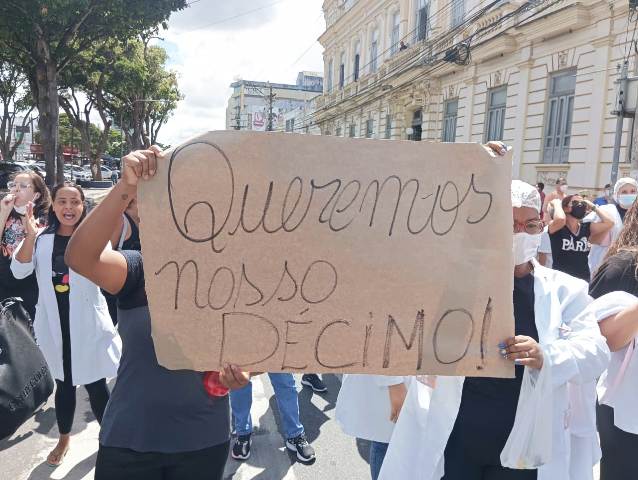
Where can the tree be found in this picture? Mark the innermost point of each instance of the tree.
(83, 93)
(16, 103)
(47, 38)
(143, 94)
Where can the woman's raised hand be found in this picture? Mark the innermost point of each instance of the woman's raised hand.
(29, 223)
(140, 164)
(6, 204)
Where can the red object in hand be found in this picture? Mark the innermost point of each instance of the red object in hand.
(213, 385)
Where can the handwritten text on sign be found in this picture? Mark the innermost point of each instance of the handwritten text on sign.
(305, 253)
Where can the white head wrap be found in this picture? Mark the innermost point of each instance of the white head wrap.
(525, 195)
(621, 183)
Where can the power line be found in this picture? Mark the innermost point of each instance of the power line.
(228, 19)
(417, 59)
(527, 6)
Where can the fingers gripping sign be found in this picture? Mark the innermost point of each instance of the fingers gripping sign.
(140, 164)
(523, 350)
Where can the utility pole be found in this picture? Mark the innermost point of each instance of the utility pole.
(619, 112)
(271, 98)
(633, 141)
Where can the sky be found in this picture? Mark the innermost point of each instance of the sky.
(214, 42)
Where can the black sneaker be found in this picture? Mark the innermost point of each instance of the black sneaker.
(299, 444)
(241, 448)
(313, 381)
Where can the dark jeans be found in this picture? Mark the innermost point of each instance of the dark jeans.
(65, 402)
(377, 455)
(124, 464)
(618, 446)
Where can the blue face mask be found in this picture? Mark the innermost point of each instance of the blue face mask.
(626, 200)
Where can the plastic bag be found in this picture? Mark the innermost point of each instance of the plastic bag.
(529, 445)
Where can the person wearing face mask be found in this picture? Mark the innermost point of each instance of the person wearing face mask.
(559, 193)
(624, 196)
(23, 188)
(72, 324)
(456, 428)
(571, 237)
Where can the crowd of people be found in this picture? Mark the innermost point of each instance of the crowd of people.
(570, 405)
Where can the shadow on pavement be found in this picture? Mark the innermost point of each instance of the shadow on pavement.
(7, 444)
(78, 472)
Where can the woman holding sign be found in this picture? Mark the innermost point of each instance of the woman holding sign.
(159, 423)
(457, 428)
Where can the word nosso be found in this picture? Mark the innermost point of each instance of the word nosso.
(336, 203)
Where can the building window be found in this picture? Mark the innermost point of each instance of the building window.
(338, 132)
(352, 133)
(495, 116)
(458, 12)
(342, 70)
(290, 125)
(357, 57)
(422, 13)
(369, 128)
(395, 34)
(374, 51)
(450, 113)
(329, 81)
(558, 118)
(388, 126)
(416, 127)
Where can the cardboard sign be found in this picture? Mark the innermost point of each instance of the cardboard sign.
(282, 252)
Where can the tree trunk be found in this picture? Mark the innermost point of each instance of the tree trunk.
(48, 106)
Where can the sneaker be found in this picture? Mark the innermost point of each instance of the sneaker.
(241, 448)
(299, 444)
(313, 381)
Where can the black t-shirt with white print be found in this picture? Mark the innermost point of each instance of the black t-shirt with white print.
(570, 252)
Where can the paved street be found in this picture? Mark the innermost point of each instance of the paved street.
(22, 457)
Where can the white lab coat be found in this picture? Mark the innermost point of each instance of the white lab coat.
(574, 350)
(95, 344)
(363, 406)
(597, 252)
(582, 397)
(618, 386)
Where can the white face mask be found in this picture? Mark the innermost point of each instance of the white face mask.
(626, 200)
(525, 247)
(20, 210)
(563, 188)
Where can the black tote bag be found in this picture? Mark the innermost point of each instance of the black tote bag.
(25, 380)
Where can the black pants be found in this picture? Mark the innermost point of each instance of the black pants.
(618, 446)
(124, 464)
(460, 465)
(65, 402)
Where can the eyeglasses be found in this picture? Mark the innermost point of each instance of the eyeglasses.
(532, 227)
(19, 185)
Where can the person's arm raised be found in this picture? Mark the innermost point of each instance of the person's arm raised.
(86, 252)
(559, 219)
(598, 230)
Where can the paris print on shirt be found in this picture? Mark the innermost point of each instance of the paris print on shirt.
(581, 245)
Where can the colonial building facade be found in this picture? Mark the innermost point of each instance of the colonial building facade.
(538, 75)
